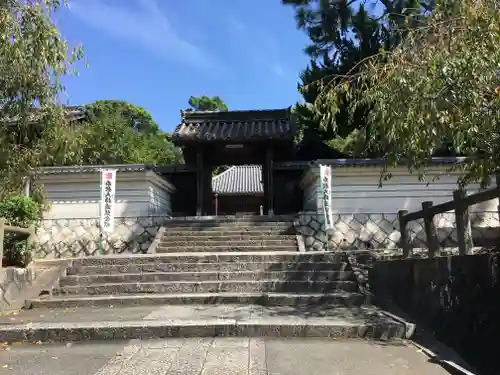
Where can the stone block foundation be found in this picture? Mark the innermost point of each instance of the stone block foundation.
(13, 283)
(72, 238)
(377, 231)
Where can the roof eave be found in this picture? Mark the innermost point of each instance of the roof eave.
(236, 115)
(238, 193)
(180, 141)
(92, 168)
(81, 114)
(378, 162)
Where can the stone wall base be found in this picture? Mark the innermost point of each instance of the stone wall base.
(63, 238)
(13, 283)
(377, 231)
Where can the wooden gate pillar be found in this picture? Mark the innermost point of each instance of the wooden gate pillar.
(199, 183)
(267, 175)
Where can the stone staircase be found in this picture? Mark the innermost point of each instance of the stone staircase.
(199, 283)
(267, 278)
(246, 233)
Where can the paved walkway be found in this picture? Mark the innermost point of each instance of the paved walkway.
(218, 356)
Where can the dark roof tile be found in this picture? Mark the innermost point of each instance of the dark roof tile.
(241, 179)
(235, 126)
(73, 113)
(94, 168)
(377, 162)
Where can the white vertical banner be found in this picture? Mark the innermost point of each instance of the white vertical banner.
(107, 208)
(325, 172)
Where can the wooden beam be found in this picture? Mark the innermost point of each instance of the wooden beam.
(199, 183)
(269, 158)
(430, 230)
(405, 237)
(2, 236)
(462, 222)
(9, 228)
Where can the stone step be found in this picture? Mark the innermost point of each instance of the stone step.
(230, 233)
(234, 224)
(227, 248)
(228, 228)
(224, 243)
(307, 300)
(211, 257)
(142, 323)
(280, 286)
(206, 276)
(164, 329)
(233, 219)
(238, 237)
(205, 267)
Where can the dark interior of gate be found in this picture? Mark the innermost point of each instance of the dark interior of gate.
(256, 139)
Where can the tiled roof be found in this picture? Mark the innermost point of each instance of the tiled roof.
(95, 168)
(75, 169)
(235, 126)
(380, 162)
(241, 179)
(73, 113)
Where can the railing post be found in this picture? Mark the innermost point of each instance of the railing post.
(403, 229)
(29, 244)
(2, 236)
(462, 222)
(497, 180)
(430, 230)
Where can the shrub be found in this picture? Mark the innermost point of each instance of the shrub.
(19, 211)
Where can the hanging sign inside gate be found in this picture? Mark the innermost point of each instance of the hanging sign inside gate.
(325, 172)
(107, 209)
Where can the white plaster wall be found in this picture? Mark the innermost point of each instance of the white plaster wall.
(357, 190)
(159, 199)
(312, 191)
(365, 213)
(77, 196)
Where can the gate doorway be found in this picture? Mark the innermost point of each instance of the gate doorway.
(211, 139)
(238, 190)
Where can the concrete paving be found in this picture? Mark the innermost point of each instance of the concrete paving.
(218, 356)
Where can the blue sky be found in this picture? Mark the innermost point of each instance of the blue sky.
(157, 53)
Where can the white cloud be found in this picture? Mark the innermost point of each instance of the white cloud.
(269, 43)
(145, 25)
(279, 70)
(236, 24)
(251, 39)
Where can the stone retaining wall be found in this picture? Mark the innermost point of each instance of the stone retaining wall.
(375, 231)
(456, 298)
(63, 238)
(14, 282)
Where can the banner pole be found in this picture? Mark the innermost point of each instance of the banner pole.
(326, 180)
(99, 240)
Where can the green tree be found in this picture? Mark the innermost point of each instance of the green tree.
(207, 103)
(33, 58)
(137, 117)
(110, 139)
(19, 211)
(343, 34)
(441, 84)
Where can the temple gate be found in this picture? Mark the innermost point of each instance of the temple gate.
(210, 139)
